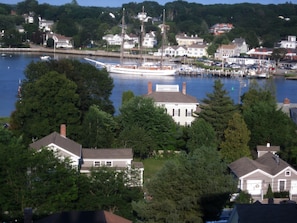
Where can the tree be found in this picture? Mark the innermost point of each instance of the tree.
(138, 139)
(98, 129)
(127, 96)
(52, 183)
(14, 159)
(142, 112)
(106, 189)
(278, 54)
(265, 121)
(236, 139)
(94, 86)
(45, 104)
(201, 134)
(217, 109)
(191, 188)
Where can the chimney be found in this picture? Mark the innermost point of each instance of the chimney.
(63, 130)
(184, 88)
(149, 88)
(268, 145)
(286, 101)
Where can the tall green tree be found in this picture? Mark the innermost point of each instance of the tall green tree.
(236, 139)
(98, 129)
(14, 160)
(217, 109)
(45, 104)
(201, 134)
(191, 188)
(94, 86)
(142, 112)
(106, 189)
(52, 183)
(264, 120)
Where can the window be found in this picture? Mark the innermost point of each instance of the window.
(108, 163)
(172, 112)
(281, 185)
(97, 163)
(288, 173)
(178, 112)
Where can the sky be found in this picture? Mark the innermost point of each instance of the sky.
(118, 3)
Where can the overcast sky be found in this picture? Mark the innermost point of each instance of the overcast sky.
(118, 3)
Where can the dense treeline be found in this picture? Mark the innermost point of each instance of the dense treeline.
(259, 24)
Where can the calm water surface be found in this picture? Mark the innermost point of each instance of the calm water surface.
(13, 66)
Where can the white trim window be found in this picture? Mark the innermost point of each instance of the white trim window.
(281, 185)
(288, 173)
(97, 163)
(108, 163)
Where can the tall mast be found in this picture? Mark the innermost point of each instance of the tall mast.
(163, 38)
(123, 37)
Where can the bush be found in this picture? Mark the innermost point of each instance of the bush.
(281, 194)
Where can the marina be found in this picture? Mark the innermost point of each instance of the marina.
(198, 85)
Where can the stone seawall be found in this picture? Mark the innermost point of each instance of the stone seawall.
(98, 53)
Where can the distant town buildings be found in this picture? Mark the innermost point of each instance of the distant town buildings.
(221, 28)
(185, 40)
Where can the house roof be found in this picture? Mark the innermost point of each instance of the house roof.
(174, 97)
(262, 213)
(268, 163)
(107, 154)
(268, 148)
(84, 216)
(58, 140)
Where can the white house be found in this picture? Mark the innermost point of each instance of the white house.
(241, 44)
(60, 41)
(289, 43)
(45, 25)
(178, 105)
(149, 40)
(225, 51)
(84, 159)
(197, 50)
(185, 40)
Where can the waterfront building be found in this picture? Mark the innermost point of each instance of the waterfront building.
(180, 106)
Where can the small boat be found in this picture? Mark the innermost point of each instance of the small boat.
(45, 58)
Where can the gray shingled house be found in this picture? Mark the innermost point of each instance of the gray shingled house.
(255, 176)
(83, 159)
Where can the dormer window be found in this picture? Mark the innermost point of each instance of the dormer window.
(288, 173)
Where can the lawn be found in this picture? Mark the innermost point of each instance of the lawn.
(151, 167)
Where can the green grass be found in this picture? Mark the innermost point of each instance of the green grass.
(152, 166)
(4, 119)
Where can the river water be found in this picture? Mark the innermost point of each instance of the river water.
(13, 66)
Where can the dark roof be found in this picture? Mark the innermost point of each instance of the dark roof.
(274, 163)
(58, 140)
(84, 217)
(107, 153)
(174, 97)
(263, 213)
(268, 162)
(268, 148)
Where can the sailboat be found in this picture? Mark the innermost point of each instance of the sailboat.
(144, 69)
